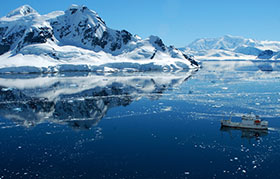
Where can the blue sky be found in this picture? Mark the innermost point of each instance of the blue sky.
(177, 22)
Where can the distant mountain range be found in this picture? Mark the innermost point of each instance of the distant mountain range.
(232, 47)
(78, 39)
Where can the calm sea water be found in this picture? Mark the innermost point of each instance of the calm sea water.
(141, 125)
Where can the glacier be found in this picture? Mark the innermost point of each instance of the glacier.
(78, 39)
(231, 47)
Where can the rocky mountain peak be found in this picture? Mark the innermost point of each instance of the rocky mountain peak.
(76, 11)
(157, 42)
(80, 32)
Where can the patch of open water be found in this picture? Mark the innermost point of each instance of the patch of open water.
(143, 125)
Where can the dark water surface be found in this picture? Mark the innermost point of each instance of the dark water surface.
(141, 125)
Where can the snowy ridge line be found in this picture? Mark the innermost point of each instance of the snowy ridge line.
(79, 40)
(231, 47)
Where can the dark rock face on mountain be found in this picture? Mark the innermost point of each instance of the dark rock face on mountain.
(248, 50)
(39, 35)
(267, 54)
(86, 29)
(8, 40)
(36, 35)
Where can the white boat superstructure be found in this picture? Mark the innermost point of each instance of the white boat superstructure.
(247, 122)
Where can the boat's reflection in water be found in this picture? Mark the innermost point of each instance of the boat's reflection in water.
(245, 133)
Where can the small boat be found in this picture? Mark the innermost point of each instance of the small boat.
(247, 122)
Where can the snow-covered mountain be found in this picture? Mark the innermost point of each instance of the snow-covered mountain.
(232, 47)
(78, 39)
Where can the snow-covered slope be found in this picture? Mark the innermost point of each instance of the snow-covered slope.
(232, 47)
(78, 39)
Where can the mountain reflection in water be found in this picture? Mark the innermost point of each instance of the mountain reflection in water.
(169, 127)
(79, 101)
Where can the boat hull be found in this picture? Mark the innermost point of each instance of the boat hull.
(242, 126)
